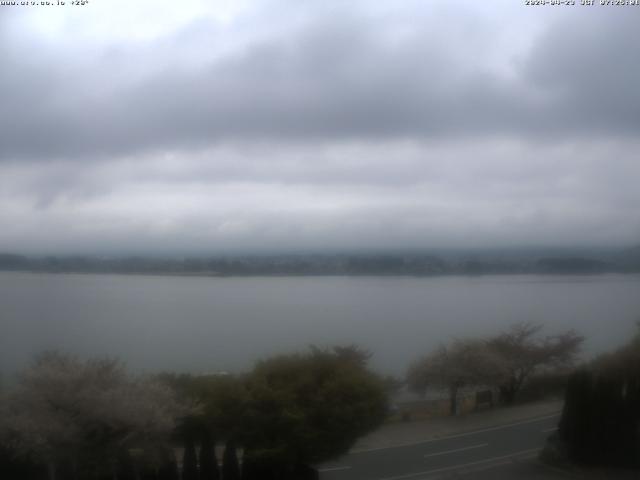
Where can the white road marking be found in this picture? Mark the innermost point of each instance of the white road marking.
(333, 469)
(456, 450)
(462, 465)
(458, 435)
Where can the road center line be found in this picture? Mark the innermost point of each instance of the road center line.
(458, 435)
(461, 465)
(333, 469)
(456, 450)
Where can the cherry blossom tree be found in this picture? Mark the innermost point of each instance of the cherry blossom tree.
(524, 352)
(460, 364)
(86, 413)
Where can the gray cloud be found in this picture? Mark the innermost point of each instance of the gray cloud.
(341, 77)
(340, 125)
(381, 195)
(588, 69)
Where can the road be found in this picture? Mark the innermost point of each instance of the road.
(460, 453)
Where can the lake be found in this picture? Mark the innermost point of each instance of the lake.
(205, 324)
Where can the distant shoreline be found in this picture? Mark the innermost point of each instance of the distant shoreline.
(470, 263)
(322, 275)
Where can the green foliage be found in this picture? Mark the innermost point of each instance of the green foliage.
(575, 425)
(208, 461)
(290, 412)
(230, 464)
(22, 467)
(189, 461)
(544, 385)
(168, 468)
(221, 401)
(224, 399)
(309, 408)
(292, 409)
(601, 420)
(125, 468)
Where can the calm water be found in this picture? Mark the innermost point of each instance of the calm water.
(213, 324)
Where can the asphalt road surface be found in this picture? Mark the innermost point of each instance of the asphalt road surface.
(489, 448)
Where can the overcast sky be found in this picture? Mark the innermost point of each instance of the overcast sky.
(208, 126)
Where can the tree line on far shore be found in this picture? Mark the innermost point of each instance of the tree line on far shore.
(559, 261)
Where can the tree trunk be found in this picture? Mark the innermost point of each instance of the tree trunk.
(189, 461)
(453, 400)
(51, 470)
(75, 468)
(230, 465)
(208, 461)
(508, 392)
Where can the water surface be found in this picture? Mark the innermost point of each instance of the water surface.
(225, 324)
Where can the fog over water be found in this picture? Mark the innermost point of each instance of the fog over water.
(225, 324)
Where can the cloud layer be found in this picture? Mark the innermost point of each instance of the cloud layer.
(273, 124)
